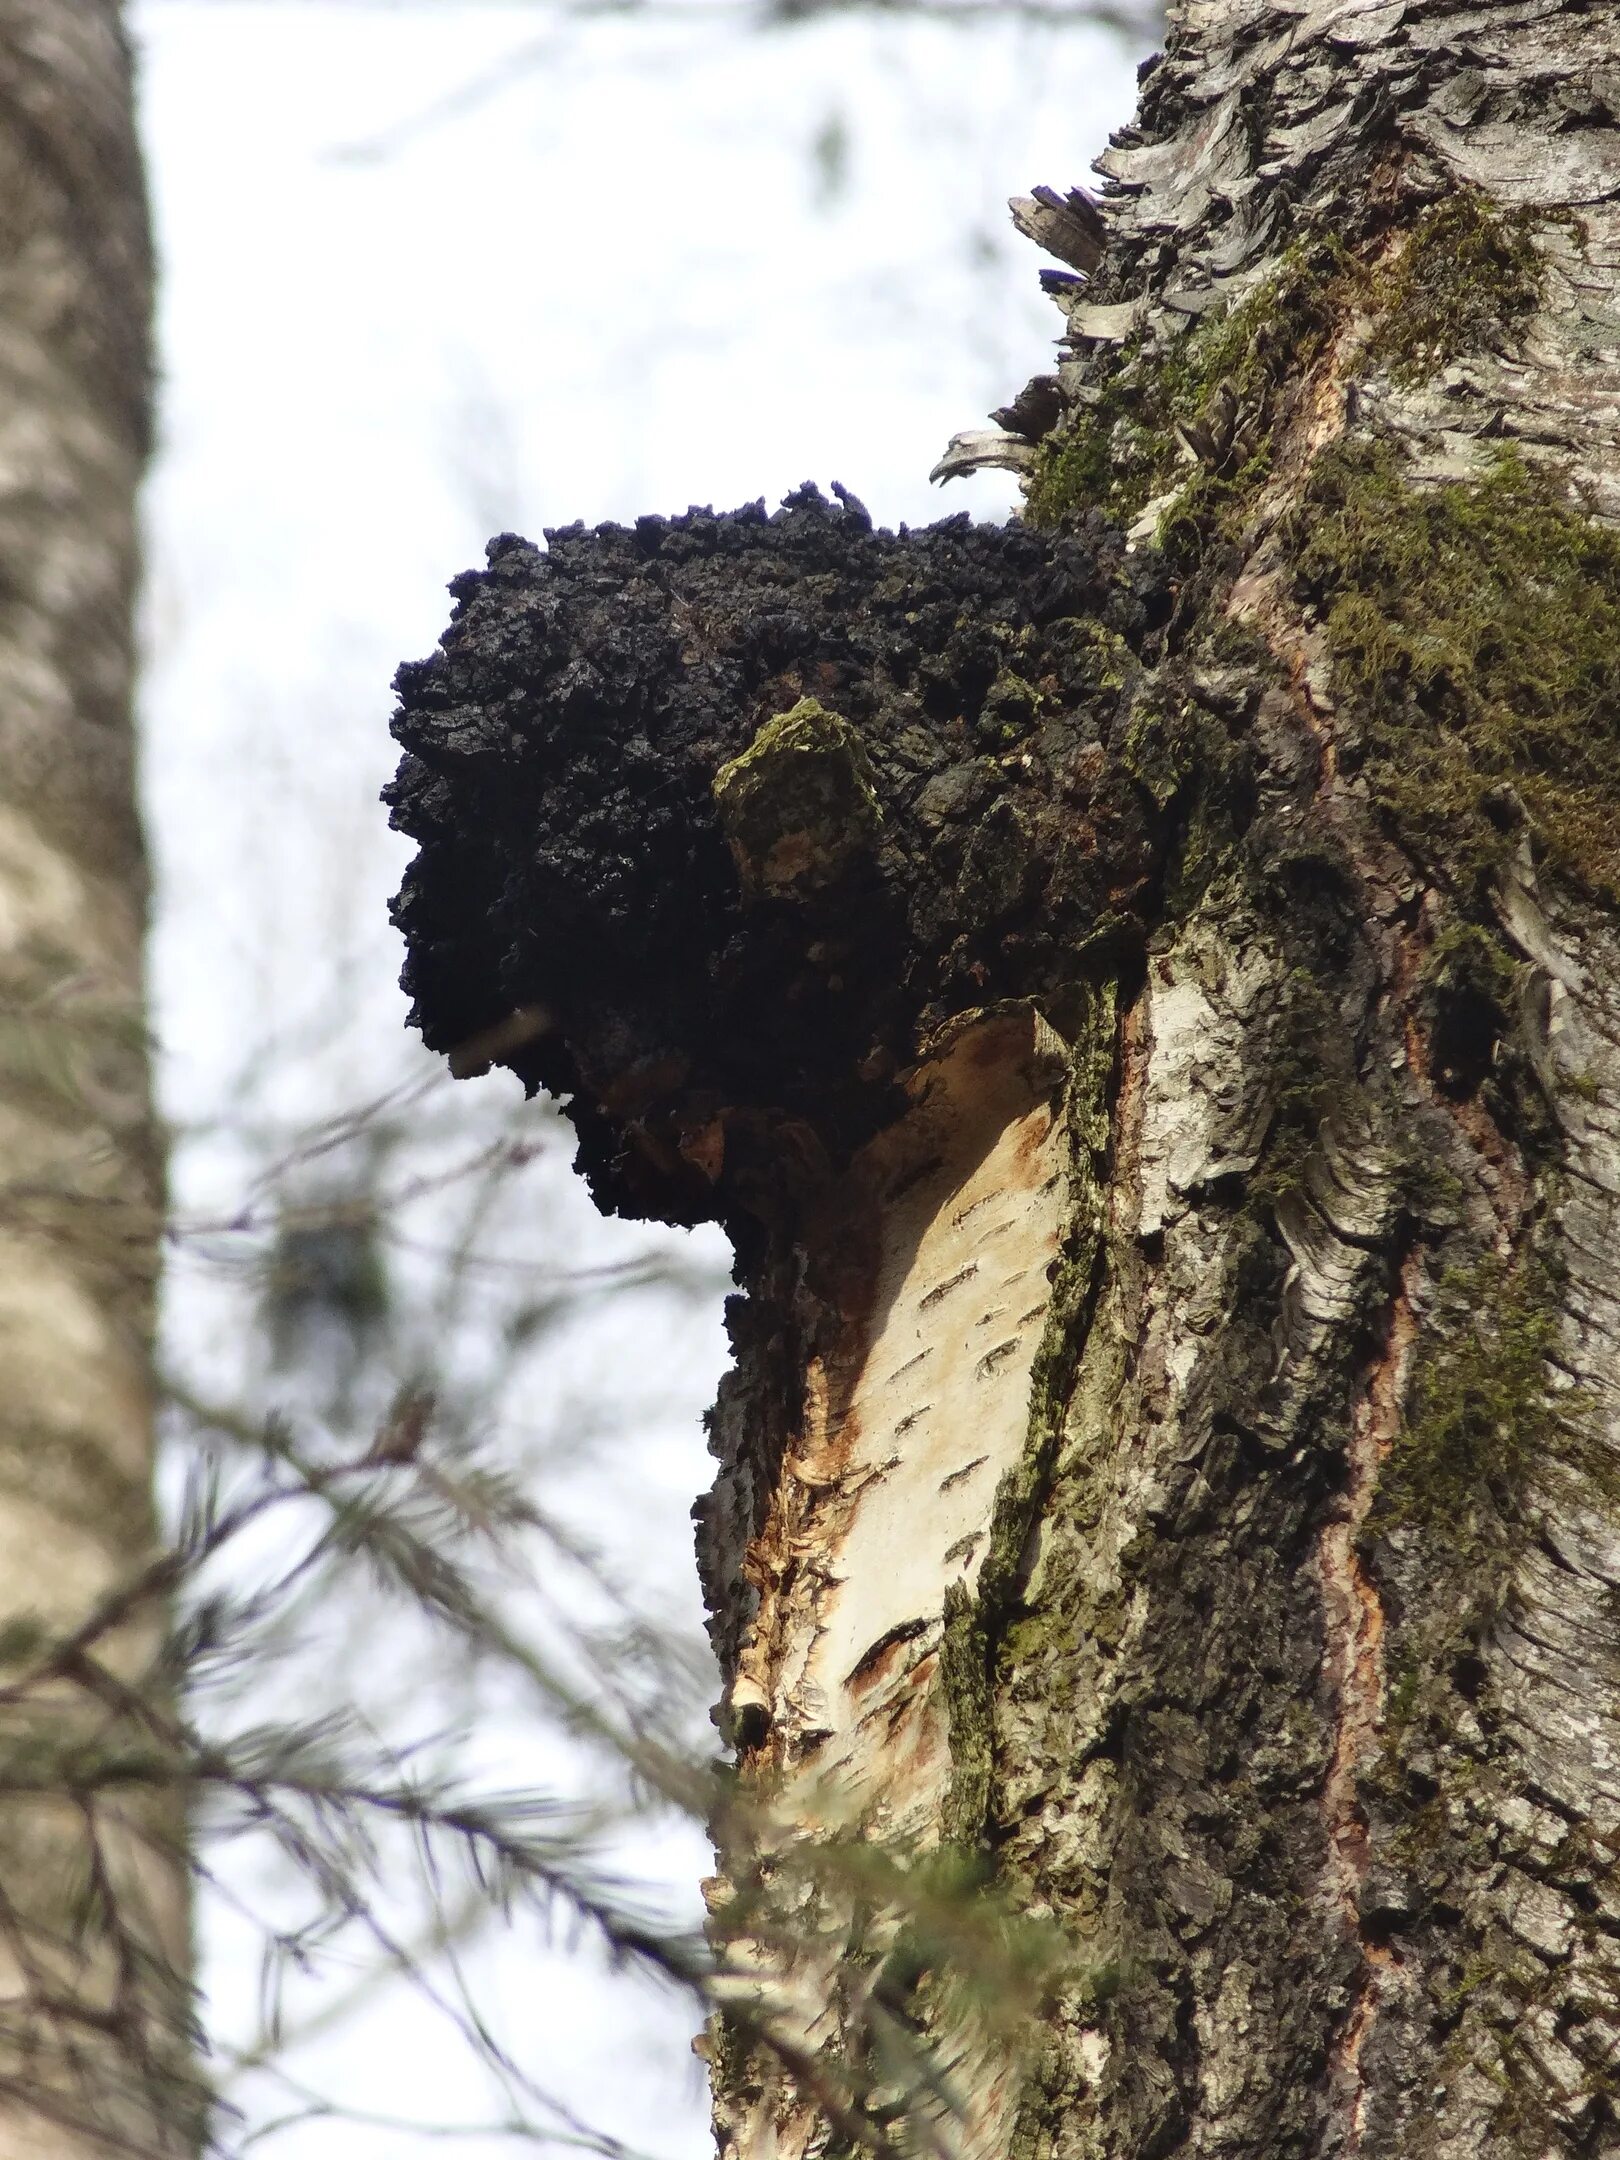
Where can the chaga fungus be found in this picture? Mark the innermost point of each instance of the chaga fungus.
(747, 805)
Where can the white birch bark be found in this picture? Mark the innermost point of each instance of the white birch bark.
(86, 2023)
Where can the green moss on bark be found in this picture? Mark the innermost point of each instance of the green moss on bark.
(1217, 387)
(976, 1624)
(1302, 1085)
(964, 1669)
(1469, 276)
(1485, 1426)
(1473, 628)
(1201, 409)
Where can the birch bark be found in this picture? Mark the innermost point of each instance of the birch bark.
(1155, 1041)
(92, 1914)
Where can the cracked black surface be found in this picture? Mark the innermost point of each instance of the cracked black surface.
(560, 750)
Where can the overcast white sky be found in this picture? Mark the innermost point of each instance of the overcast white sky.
(429, 271)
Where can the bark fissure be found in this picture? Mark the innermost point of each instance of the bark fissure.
(1354, 1656)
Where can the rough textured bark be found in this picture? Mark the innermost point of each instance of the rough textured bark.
(1176, 953)
(92, 1920)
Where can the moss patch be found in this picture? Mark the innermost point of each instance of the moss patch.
(1202, 409)
(1008, 712)
(1217, 387)
(1474, 628)
(977, 1624)
(964, 1661)
(1468, 277)
(1303, 1087)
(1467, 992)
(1485, 1429)
(1199, 770)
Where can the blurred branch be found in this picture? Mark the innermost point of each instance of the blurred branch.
(315, 2107)
(344, 1810)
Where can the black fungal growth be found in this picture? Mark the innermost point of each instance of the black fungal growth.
(744, 805)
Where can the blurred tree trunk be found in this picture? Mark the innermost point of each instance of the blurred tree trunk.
(93, 1924)
(1158, 1055)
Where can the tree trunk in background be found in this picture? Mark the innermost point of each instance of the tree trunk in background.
(1150, 1019)
(92, 1914)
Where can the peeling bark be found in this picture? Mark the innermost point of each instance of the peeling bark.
(930, 1264)
(1252, 830)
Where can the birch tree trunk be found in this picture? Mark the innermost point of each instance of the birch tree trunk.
(1143, 995)
(92, 1912)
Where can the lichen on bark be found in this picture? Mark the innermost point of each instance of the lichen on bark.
(797, 807)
